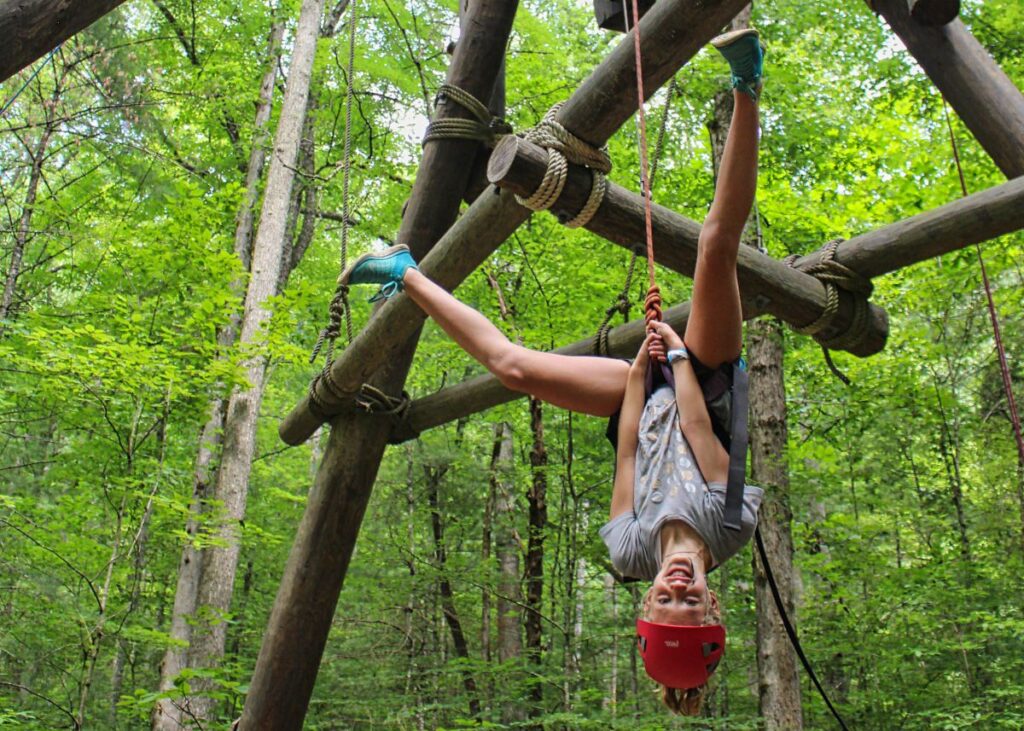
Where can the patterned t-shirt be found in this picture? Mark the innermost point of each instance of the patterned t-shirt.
(669, 486)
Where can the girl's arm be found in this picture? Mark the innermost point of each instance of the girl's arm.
(712, 459)
(629, 426)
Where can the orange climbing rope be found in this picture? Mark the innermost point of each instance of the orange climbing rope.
(652, 302)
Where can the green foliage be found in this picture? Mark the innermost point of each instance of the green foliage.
(905, 489)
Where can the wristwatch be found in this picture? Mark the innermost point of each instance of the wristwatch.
(677, 354)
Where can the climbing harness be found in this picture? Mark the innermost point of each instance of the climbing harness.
(997, 334)
(835, 276)
(790, 629)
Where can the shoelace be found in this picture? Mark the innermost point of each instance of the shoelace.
(387, 291)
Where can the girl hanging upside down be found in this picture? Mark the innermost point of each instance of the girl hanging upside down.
(668, 511)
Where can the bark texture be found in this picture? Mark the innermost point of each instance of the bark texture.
(983, 96)
(220, 562)
(510, 626)
(167, 715)
(537, 498)
(293, 644)
(31, 28)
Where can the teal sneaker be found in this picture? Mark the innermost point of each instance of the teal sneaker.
(745, 53)
(386, 269)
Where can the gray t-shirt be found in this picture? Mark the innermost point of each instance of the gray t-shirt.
(668, 486)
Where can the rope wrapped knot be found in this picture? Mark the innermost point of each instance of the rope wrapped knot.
(652, 314)
(484, 127)
(337, 310)
(836, 276)
(564, 147)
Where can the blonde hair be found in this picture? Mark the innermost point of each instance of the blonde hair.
(686, 701)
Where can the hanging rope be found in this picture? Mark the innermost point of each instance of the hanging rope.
(835, 276)
(1004, 368)
(484, 127)
(652, 302)
(622, 304)
(339, 307)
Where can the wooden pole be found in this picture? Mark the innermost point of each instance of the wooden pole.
(978, 217)
(970, 80)
(293, 644)
(32, 28)
(671, 32)
(964, 222)
(933, 12)
(794, 296)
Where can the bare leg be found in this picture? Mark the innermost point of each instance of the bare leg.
(714, 332)
(589, 385)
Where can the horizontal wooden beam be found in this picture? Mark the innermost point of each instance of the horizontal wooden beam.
(970, 220)
(671, 33)
(32, 28)
(983, 96)
(775, 288)
(985, 215)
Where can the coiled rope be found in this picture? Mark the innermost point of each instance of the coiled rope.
(484, 127)
(564, 147)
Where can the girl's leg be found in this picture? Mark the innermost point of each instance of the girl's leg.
(714, 331)
(589, 385)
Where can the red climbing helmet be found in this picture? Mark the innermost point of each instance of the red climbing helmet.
(680, 656)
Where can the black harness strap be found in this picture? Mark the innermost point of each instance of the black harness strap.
(733, 517)
(790, 630)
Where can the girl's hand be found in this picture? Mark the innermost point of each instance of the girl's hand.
(667, 335)
(642, 357)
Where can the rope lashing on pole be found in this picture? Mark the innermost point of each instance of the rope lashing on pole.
(835, 276)
(339, 307)
(484, 127)
(563, 148)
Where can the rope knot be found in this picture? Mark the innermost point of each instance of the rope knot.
(835, 276)
(483, 127)
(563, 148)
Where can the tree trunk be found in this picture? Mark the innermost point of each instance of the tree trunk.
(166, 715)
(220, 562)
(21, 236)
(434, 477)
(778, 683)
(538, 509)
(506, 540)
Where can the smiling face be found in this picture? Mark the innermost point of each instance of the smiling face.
(679, 594)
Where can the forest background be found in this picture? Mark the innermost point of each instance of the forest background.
(127, 166)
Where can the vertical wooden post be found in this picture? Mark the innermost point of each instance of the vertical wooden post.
(289, 658)
(972, 82)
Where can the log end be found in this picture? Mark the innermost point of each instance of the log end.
(299, 425)
(934, 12)
(502, 158)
